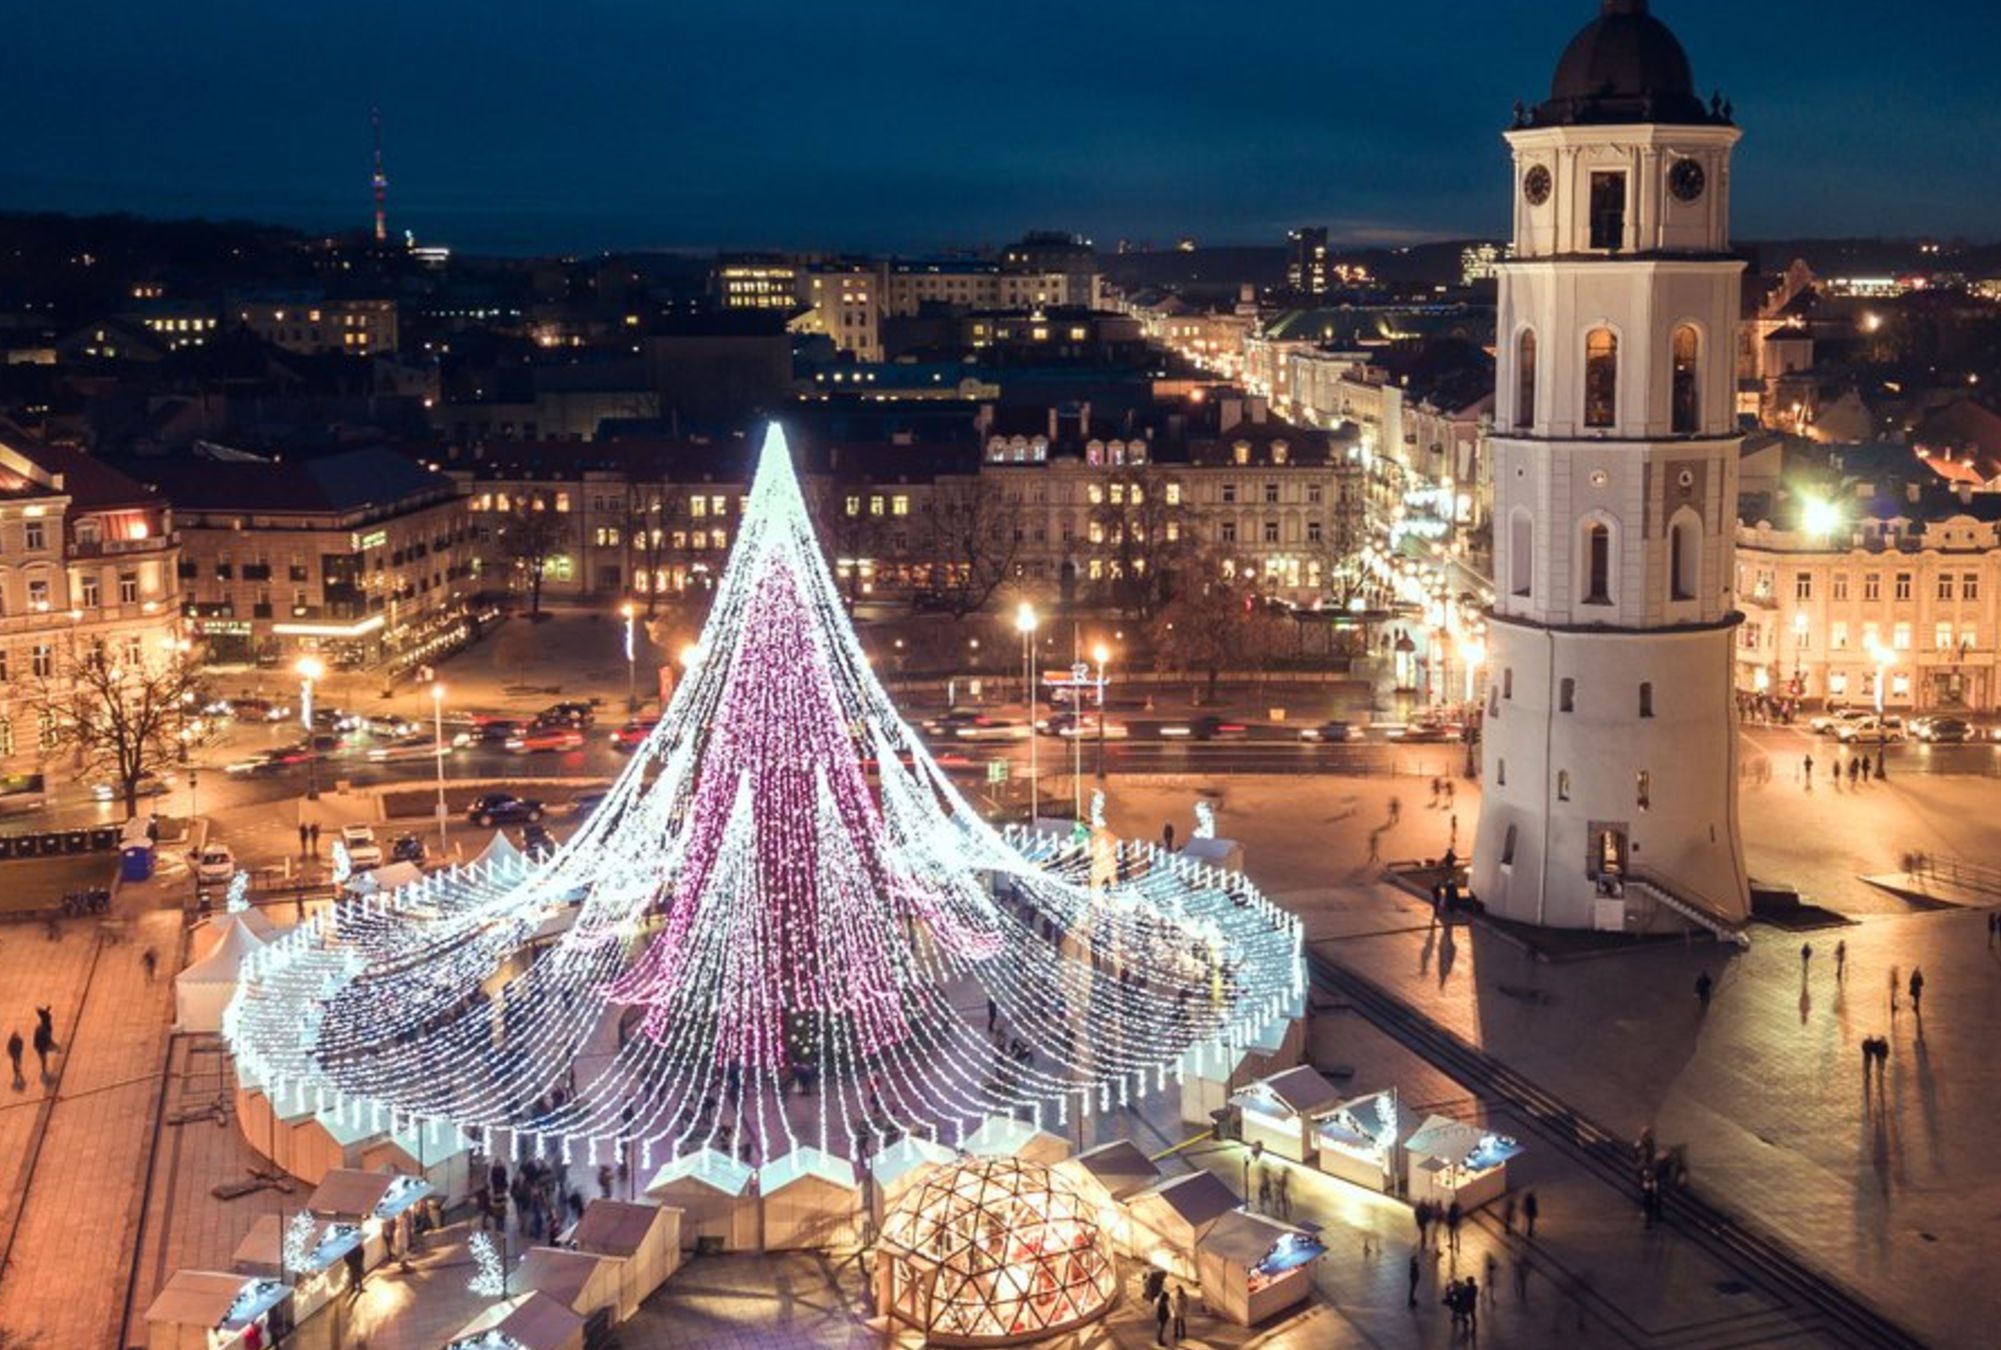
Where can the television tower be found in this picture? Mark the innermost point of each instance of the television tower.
(379, 179)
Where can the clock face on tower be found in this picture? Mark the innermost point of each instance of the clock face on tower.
(1686, 180)
(1536, 185)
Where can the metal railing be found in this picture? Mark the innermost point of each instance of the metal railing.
(1695, 908)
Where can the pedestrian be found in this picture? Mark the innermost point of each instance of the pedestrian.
(150, 959)
(1521, 1280)
(1285, 1194)
(1508, 1216)
(1806, 956)
(1411, 1302)
(1841, 960)
(1180, 1311)
(1264, 1190)
(302, 838)
(1854, 770)
(1452, 796)
(1421, 1212)
(1491, 1266)
(1437, 791)
(1470, 1292)
(1529, 1211)
(14, 1048)
(1895, 980)
(993, 1014)
(1868, 1059)
(1396, 809)
(1917, 990)
(313, 834)
(1453, 1215)
(1704, 986)
(1454, 834)
(1454, 1304)
(47, 1018)
(43, 1044)
(356, 1270)
(1375, 845)
(1161, 1313)
(1809, 773)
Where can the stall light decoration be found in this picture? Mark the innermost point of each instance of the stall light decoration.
(299, 1243)
(237, 898)
(788, 893)
(343, 865)
(489, 1278)
(1205, 820)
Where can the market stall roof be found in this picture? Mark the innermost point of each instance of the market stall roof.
(1120, 1167)
(532, 1322)
(711, 1167)
(212, 1299)
(1001, 1137)
(225, 960)
(909, 1154)
(1453, 1140)
(500, 851)
(344, 1131)
(264, 1244)
(1198, 1198)
(1302, 1091)
(1377, 1113)
(1244, 1238)
(614, 1227)
(801, 1163)
(560, 1274)
(348, 1190)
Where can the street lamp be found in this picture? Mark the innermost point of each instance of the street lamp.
(631, 669)
(310, 670)
(1025, 622)
(438, 754)
(1102, 654)
(1881, 656)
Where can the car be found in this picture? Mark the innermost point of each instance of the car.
(503, 808)
(1427, 731)
(1856, 730)
(409, 747)
(948, 722)
(362, 850)
(214, 865)
(335, 720)
(407, 848)
(1328, 732)
(992, 729)
(1828, 721)
(1072, 726)
(1212, 728)
(149, 785)
(541, 739)
(1942, 730)
(389, 727)
(273, 760)
(579, 715)
(632, 735)
(259, 710)
(491, 733)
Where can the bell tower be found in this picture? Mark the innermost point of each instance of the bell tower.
(1610, 786)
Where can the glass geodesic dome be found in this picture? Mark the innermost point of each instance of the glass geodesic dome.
(995, 1251)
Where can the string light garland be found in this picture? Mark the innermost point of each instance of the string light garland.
(783, 927)
(489, 1276)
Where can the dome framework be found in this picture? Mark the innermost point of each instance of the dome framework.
(995, 1252)
(781, 928)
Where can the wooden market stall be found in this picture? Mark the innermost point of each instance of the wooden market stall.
(1211, 1072)
(526, 1322)
(713, 1192)
(811, 1201)
(323, 1272)
(1281, 1111)
(644, 1239)
(212, 1310)
(1362, 1140)
(1448, 1160)
(1006, 1137)
(380, 1203)
(1253, 1268)
(895, 1169)
(581, 1281)
(1107, 1177)
(1167, 1221)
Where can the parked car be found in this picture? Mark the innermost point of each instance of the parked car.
(1889, 727)
(632, 735)
(418, 746)
(503, 808)
(579, 715)
(1426, 731)
(149, 785)
(540, 739)
(1328, 732)
(1827, 722)
(214, 865)
(1942, 730)
(407, 848)
(335, 720)
(362, 850)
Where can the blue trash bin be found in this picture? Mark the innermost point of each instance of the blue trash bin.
(135, 862)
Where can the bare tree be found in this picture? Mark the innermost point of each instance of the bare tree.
(121, 710)
(853, 527)
(972, 538)
(1214, 623)
(528, 536)
(1144, 537)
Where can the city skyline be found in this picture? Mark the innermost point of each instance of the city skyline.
(885, 128)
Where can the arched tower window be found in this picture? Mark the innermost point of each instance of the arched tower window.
(1597, 563)
(1521, 552)
(1525, 374)
(1687, 349)
(1601, 378)
(1684, 556)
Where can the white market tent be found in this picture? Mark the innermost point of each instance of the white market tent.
(210, 1310)
(1108, 1176)
(580, 1281)
(811, 1201)
(1170, 1219)
(204, 989)
(1006, 1137)
(1211, 1072)
(1448, 1160)
(441, 1154)
(531, 1322)
(902, 1165)
(1281, 1111)
(712, 1191)
(500, 854)
(644, 1241)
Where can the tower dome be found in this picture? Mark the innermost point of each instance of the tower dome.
(1624, 66)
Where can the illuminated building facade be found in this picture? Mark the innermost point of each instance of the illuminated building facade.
(316, 326)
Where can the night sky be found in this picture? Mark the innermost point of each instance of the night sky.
(525, 125)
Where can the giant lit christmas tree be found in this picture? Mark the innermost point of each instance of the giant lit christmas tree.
(784, 922)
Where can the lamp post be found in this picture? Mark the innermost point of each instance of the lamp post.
(438, 755)
(631, 668)
(1882, 658)
(1472, 653)
(310, 670)
(1025, 622)
(1102, 653)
